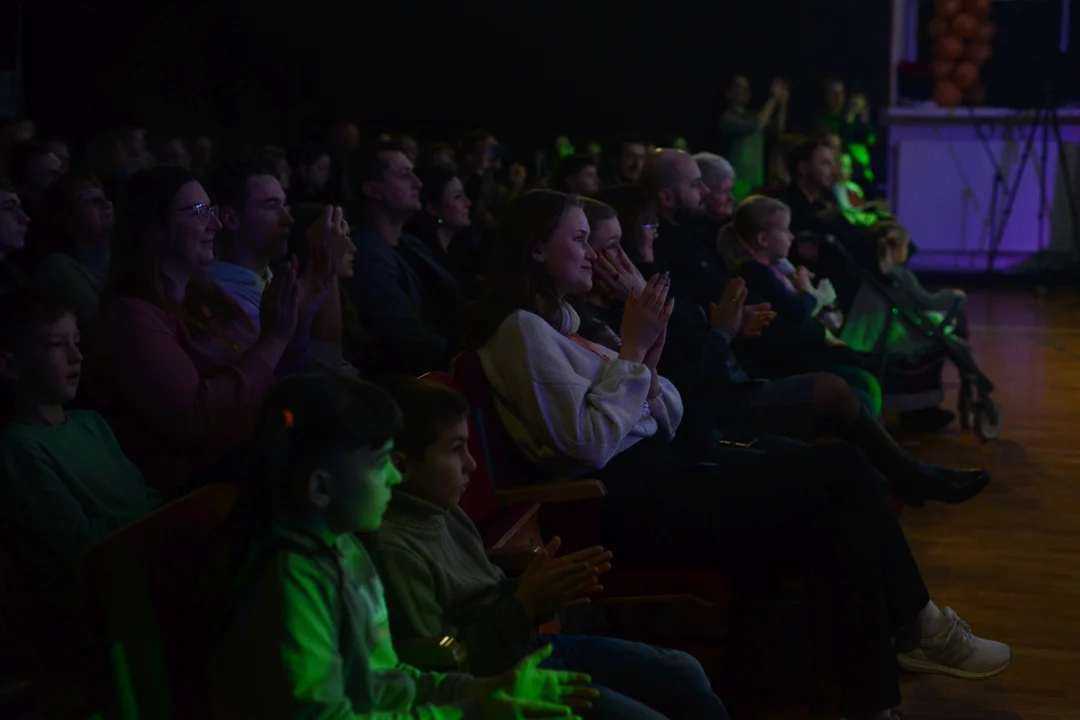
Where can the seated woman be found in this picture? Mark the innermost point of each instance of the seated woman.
(576, 407)
(303, 625)
(14, 223)
(444, 226)
(756, 239)
(717, 393)
(66, 480)
(177, 368)
(71, 239)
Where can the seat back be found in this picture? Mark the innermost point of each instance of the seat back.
(139, 588)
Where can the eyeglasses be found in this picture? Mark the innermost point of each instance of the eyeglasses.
(204, 211)
(651, 226)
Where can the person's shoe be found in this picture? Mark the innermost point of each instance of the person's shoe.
(956, 652)
(931, 482)
(927, 419)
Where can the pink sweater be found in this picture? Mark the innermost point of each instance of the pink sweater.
(175, 402)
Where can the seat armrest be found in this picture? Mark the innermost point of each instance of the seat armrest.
(512, 561)
(553, 492)
(435, 653)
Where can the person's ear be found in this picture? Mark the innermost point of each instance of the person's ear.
(761, 239)
(230, 219)
(9, 367)
(320, 489)
(371, 190)
(666, 196)
(538, 252)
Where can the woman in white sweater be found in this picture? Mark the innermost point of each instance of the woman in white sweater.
(575, 407)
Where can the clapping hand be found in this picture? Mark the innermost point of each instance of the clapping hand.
(645, 319)
(617, 275)
(729, 311)
(529, 691)
(550, 584)
(756, 319)
(328, 241)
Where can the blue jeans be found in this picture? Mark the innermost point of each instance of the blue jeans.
(636, 680)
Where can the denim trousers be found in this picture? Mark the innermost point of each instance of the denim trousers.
(636, 680)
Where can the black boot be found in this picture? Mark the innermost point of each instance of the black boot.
(913, 481)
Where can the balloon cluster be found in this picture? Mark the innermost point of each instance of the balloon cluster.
(962, 35)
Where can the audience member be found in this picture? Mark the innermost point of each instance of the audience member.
(32, 167)
(743, 131)
(444, 226)
(14, 223)
(178, 369)
(59, 147)
(410, 334)
(174, 151)
(626, 159)
(851, 119)
(15, 130)
(575, 407)
(280, 160)
(66, 480)
(311, 163)
(303, 624)
(439, 579)
(70, 242)
(439, 154)
(476, 168)
(578, 175)
(718, 177)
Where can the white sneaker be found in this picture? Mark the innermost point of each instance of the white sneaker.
(956, 652)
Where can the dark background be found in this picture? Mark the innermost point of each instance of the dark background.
(586, 68)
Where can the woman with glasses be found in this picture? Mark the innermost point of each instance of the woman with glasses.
(177, 368)
(13, 224)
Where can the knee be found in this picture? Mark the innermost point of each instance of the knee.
(833, 395)
(685, 671)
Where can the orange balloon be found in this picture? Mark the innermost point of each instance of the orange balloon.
(978, 8)
(946, 94)
(965, 75)
(946, 8)
(938, 27)
(948, 48)
(942, 69)
(964, 25)
(978, 53)
(986, 32)
(976, 94)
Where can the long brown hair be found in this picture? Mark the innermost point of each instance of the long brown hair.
(516, 281)
(141, 219)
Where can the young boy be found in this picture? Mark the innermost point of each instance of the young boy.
(305, 631)
(439, 580)
(66, 480)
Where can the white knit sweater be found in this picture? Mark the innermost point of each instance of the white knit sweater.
(567, 408)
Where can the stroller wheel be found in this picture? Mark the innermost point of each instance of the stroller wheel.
(987, 420)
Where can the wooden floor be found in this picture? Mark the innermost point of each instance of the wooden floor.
(1009, 560)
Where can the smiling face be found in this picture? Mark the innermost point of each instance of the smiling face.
(188, 245)
(567, 256)
(453, 208)
(47, 364)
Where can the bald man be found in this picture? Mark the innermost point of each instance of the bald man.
(673, 178)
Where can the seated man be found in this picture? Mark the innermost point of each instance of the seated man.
(439, 579)
(66, 480)
(415, 326)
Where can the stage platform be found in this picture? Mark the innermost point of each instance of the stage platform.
(942, 167)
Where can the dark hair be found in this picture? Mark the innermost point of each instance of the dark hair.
(434, 181)
(365, 165)
(802, 153)
(230, 184)
(53, 228)
(425, 406)
(142, 214)
(427, 154)
(570, 167)
(620, 141)
(304, 419)
(20, 155)
(635, 208)
(21, 313)
(516, 281)
(24, 311)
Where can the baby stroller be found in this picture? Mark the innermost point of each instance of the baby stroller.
(976, 410)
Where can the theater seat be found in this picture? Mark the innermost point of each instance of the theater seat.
(137, 588)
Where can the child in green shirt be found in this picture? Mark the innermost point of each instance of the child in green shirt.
(66, 480)
(440, 581)
(305, 631)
